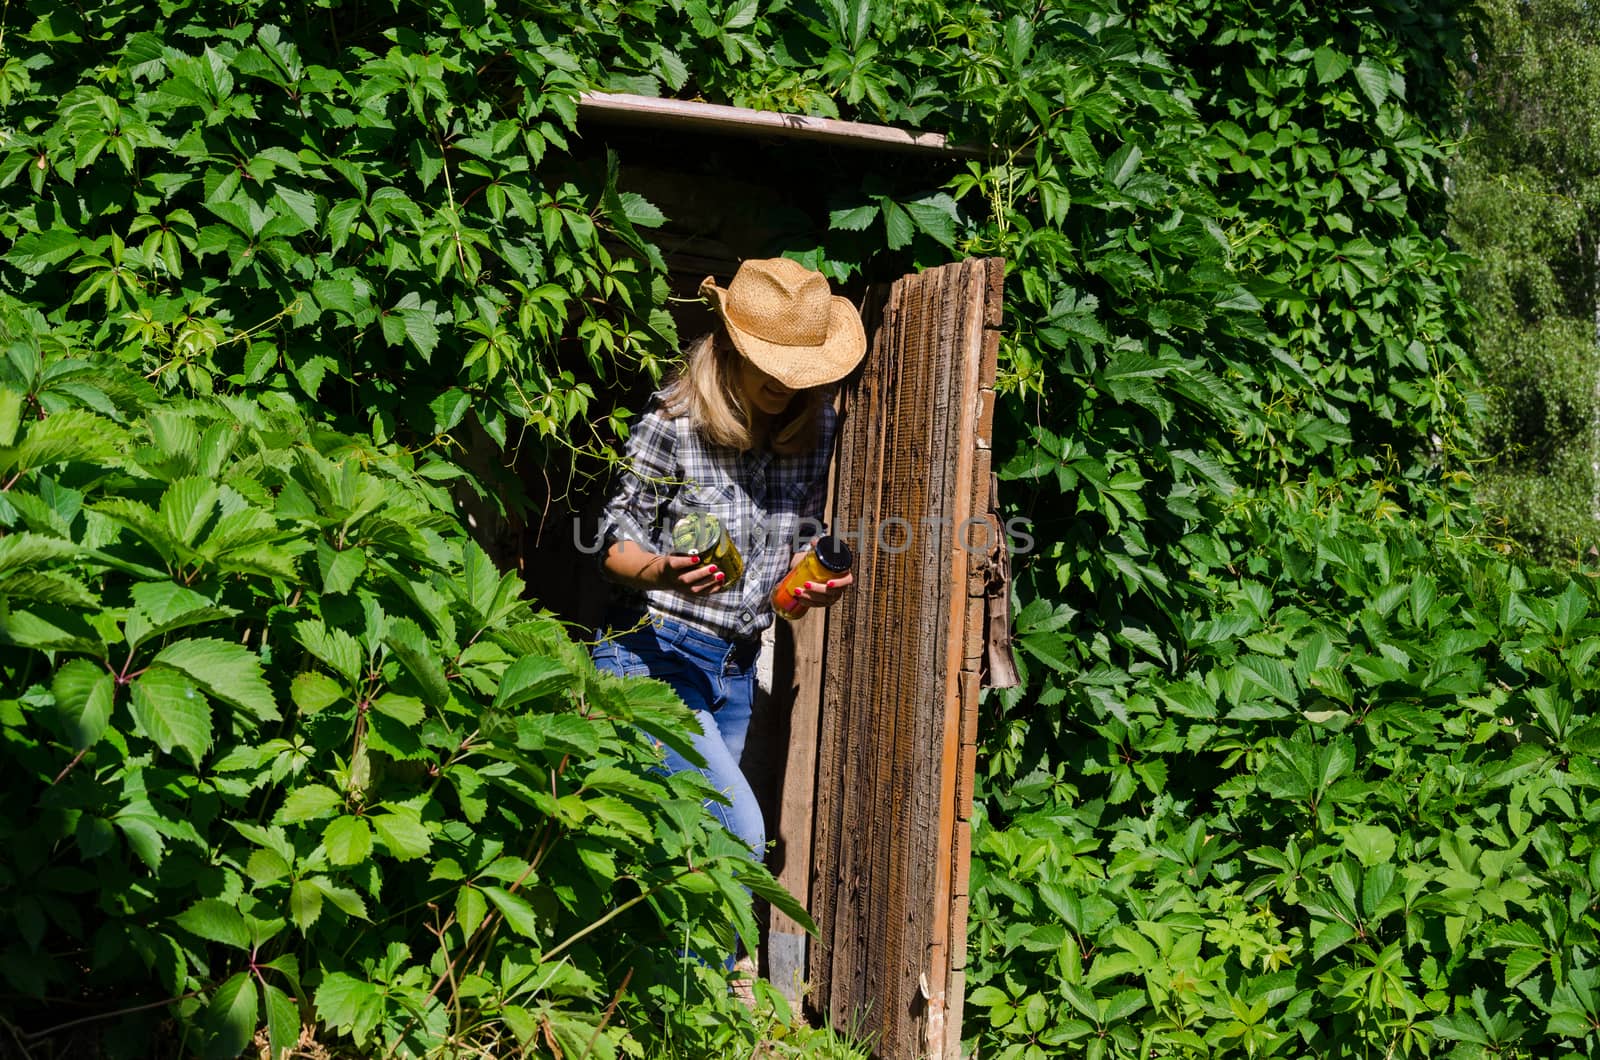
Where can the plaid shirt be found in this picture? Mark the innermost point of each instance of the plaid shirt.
(770, 504)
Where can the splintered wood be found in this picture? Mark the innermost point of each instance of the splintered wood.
(901, 659)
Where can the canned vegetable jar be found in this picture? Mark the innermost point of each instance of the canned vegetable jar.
(702, 534)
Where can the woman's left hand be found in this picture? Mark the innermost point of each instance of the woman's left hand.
(823, 594)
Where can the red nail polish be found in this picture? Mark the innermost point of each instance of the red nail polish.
(695, 558)
(719, 576)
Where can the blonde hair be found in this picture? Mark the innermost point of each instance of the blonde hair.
(706, 391)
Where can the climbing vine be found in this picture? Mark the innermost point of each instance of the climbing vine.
(1300, 766)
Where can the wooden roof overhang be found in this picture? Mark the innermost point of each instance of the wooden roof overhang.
(693, 116)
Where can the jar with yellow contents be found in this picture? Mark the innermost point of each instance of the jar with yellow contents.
(702, 534)
(828, 558)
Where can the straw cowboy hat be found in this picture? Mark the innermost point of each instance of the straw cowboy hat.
(783, 317)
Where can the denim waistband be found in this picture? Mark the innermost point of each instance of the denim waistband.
(704, 642)
(706, 645)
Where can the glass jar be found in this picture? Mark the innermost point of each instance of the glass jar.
(702, 534)
(828, 558)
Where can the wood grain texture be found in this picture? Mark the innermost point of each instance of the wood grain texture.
(894, 749)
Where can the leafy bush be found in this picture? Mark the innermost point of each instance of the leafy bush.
(1354, 817)
(284, 747)
(1527, 181)
(1294, 772)
(331, 202)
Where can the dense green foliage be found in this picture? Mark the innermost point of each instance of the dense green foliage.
(1299, 767)
(1527, 206)
(292, 748)
(330, 201)
(282, 745)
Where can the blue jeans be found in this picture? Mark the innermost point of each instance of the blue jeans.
(716, 679)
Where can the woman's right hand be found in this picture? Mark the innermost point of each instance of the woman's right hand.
(639, 568)
(677, 573)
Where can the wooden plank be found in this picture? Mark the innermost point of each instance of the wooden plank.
(967, 698)
(786, 940)
(958, 995)
(965, 358)
(933, 944)
(981, 461)
(856, 399)
(870, 958)
(985, 428)
(914, 458)
(969, 720)
(993, 305)
(628, 108)
(989, 366)
(958, 906)
(856, 959)
(961, 889)
(968, 755)
(840, 995)
(957, 990)
(972, 631)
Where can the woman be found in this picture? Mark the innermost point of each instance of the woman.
(744, 432)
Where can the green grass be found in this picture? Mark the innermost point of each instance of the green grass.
(784, 1036)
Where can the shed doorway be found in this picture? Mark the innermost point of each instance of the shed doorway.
(862, 750)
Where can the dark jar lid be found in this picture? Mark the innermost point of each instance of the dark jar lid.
(833, 554)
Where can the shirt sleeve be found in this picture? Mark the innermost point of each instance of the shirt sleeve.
(646, 482)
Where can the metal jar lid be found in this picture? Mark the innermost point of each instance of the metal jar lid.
(833, 553)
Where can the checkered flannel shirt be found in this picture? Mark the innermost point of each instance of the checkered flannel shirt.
(771, 504)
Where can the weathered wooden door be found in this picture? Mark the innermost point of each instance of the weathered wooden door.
(878, 785)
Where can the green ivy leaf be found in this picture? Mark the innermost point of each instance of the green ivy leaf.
(519, 915)
(1374, 81)
(404, 709)
(338, 649)
(416, 653)
(898, 226)
(347, 840)
(313, 692)
(216, 921)
(231, 1016)
(1268, 675)
(471, 908)
(163, 607)
(343, 898)
(283, 1023)
(70, 436)
(853, 218)
(83, 692)
(171, 711)
(309, 803)
(349, 1005)
(532, 677)
(35, 252)
(1123, 164)
(1330, 65)
(1370, 844)
(403, 835)
(305, 904)
(231, 672)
